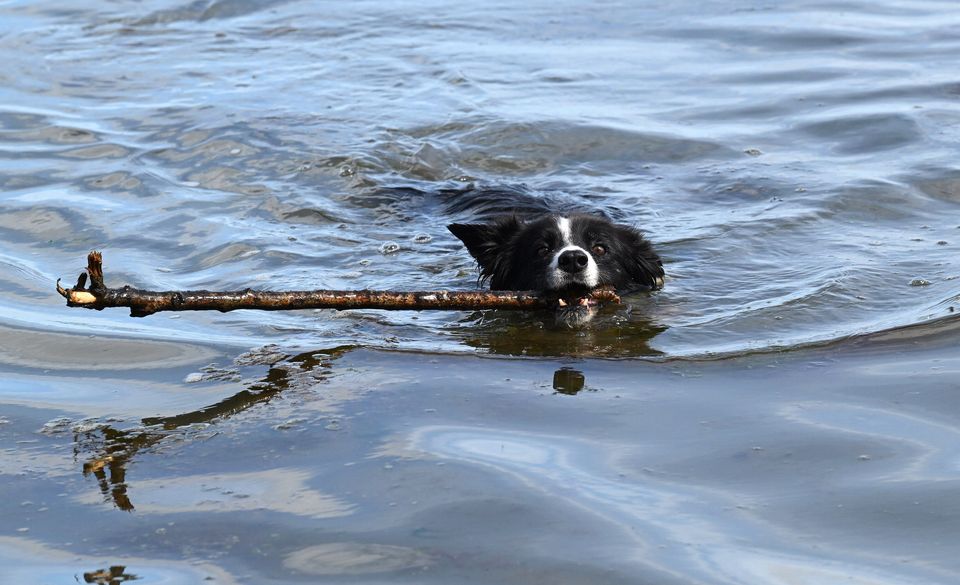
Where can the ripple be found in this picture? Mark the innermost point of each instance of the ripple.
(39, 223)
(352, 558)
(492, 147)
(98, 151)
(794, 38)
(224, 254)
(865, 134)
(660, 521)
(389, 248)
(282, 490)
(56, 351)
(203, 11)
(941, 184)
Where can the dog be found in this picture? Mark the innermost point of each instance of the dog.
(566, 256)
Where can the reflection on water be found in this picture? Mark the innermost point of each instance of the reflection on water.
(660, 523)
(107, 452)
(435, 466)
(568, 381)
(26, 561)
(345, 559)
(109, 576)
(922, 440)
(281, 490)
(615, 332)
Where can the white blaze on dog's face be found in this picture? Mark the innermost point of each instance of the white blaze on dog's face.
(571, 264)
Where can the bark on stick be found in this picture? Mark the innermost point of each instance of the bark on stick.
(146, 302)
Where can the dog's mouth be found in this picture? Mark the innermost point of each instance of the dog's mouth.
(575, 310)
(576, 302)
(575, 306)
(575, 297)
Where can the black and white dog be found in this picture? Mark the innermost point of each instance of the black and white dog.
(567, 255)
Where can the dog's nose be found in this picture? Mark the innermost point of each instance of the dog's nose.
(573, 261)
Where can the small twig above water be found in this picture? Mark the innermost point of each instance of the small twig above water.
(146, 302)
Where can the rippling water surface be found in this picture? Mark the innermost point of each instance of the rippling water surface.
(783, 413)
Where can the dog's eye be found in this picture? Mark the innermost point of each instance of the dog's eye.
(543, 250)
(599, 249)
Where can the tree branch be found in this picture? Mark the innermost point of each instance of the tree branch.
(146, 302)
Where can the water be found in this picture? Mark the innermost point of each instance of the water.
(780, 413)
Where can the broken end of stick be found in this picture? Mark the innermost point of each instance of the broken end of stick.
(79, 295)
(95, 269)
(76, 297)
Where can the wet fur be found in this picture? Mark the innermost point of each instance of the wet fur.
(522, 254)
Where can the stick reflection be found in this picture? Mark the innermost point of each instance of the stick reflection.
(107, 452)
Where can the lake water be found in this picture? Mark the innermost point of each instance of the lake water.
(783, 412)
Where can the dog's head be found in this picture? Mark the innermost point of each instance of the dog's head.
(566, 255)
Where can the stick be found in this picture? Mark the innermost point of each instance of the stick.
(147, 302)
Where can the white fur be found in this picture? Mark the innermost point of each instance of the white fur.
(558, 278)
(563, 223)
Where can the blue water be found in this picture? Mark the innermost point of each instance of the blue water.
(780, 413)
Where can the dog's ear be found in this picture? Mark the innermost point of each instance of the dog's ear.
(488, 243)
(482, 240)
(475, 236)
(644, 266)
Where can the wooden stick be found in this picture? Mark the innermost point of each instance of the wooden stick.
(147, 302)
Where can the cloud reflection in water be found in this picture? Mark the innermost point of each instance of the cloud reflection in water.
(674, 528)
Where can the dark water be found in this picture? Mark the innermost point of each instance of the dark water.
(783, 412)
